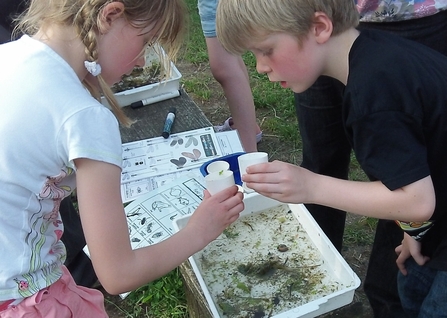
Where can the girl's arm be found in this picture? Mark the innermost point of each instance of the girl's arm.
(292, 184)
(118, 267)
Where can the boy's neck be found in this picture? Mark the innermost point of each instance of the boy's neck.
(337, 64)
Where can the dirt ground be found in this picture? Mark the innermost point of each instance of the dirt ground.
(216, 110)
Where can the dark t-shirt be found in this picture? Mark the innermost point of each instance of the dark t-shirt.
(8, 10)
(395, 114)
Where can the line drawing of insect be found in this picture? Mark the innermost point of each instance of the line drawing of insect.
(177, 193)
(191, 140)
(149, 227)
(133, 213)
(158, 234)
(194, 156)
(136, 240)
(142, 221)
(180, 162)
(159, 205)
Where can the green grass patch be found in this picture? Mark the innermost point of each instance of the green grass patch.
(360, 232)
(162, 298)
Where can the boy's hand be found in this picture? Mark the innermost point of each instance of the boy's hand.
(278, 180)
(409, 248)
(216, 213)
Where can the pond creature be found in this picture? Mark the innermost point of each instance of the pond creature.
(282, 248)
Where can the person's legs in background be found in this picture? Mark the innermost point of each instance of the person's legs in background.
(230, 71)
(326, 149)
(380, 283)
(423, 291)
(77, 262)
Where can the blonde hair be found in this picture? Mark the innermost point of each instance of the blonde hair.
(238, 22)
(168, 16)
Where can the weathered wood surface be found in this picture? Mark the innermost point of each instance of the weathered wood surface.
(150, 119)
(149, 123)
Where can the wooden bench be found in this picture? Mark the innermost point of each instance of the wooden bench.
(149, 123)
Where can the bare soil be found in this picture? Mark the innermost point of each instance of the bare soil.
(216, 110)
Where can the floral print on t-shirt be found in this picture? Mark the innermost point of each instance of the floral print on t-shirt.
(397, 10)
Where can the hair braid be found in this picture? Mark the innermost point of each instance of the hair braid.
(86, 24)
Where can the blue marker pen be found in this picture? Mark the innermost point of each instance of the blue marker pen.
(168, 123)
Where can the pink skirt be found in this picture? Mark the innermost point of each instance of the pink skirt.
(63, 299)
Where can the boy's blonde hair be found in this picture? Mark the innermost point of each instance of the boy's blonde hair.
(168, 16)
(238, 22)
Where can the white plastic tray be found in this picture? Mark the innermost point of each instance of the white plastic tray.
(166, 89)
(336, 268)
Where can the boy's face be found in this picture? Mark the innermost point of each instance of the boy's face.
(283, 60)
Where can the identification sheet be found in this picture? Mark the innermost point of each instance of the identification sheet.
(152, 163)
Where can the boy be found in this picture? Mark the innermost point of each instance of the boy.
(394, 115)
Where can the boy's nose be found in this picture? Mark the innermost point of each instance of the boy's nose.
(262, 68)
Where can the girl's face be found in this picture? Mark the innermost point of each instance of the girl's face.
(283, 60)
(121, 49)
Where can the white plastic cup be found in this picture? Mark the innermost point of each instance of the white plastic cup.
(249, 159)
(218, 181)
(217, 166)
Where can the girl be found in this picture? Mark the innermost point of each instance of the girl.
(51, 80)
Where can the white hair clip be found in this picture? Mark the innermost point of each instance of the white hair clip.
(93, 68)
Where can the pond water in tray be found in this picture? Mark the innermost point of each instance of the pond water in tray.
(267, 263)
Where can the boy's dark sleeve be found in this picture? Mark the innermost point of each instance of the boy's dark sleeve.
(416, 230)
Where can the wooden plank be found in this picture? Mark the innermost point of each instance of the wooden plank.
(150, 119)
(149, 123)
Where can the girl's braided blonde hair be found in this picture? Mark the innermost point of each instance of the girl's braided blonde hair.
(168, 16)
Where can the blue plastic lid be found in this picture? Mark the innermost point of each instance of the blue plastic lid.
(234, 165)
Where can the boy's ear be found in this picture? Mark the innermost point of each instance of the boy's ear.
(322, 27)
(109, 13)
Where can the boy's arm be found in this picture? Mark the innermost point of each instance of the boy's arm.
(293, 184)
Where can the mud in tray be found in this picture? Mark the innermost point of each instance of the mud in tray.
(158, 80)
(275, 261)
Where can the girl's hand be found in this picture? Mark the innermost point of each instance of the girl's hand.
(409, 248)
(216, 213)
(278, 180)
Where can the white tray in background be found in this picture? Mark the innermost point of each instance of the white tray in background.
(166, 89)
(335, 266)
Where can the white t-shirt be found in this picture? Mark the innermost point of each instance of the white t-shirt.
(47, 119)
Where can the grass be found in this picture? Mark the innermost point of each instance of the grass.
(165, 297)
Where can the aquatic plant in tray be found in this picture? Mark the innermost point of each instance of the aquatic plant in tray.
(265, 264)
(140, 76)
